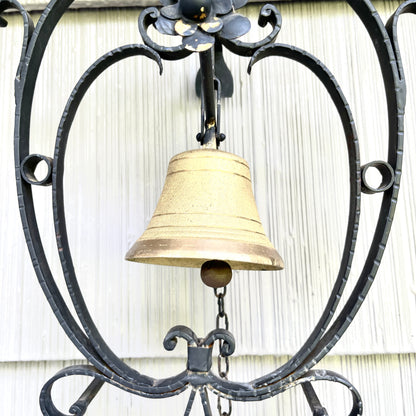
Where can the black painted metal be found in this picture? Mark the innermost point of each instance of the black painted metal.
(200, 349)
(222, 73)
(268, 15)
(209, 96)
(387, 177)
(205, 401)
(149, 17)
(28, 170)
(106, 366)
(28, 27)
(313, 400)
(81, 405)
(344, 112)
(68, 268)
(190, 403)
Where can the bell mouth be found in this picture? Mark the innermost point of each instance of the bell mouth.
(206, 211)
(194, 252)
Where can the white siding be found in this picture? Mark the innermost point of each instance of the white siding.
(80, 4)
(280, 119)
(387, 384)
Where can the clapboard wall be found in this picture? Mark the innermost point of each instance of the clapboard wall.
(282, 122)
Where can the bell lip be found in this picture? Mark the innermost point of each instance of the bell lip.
(240, 256)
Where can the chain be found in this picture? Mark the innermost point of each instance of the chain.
(223, 362)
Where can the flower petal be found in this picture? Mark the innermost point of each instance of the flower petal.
(171, 12)
(212, 26)
(235, 26)
(185, 29)
(198, 42)
(222, 6)
(165, 26)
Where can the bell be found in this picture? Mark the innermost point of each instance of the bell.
(206, 212)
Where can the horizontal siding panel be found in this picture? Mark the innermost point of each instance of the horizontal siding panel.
(386, 383)
(31, 5)
(133, 121)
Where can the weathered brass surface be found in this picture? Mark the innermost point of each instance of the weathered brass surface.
(206, 212)
(216, 273)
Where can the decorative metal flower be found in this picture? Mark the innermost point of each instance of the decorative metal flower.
(200, 21)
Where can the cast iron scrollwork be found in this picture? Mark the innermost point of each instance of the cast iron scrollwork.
(28, 27)
(148, 17)
(217, 23)
(268, 15)
(200, 349)
(212, 25)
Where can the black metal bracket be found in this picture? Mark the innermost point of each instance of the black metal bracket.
(221, 73)
(221, 27)
(200, 349)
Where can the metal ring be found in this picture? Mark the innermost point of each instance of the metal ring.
(28, 168)
(387, 177)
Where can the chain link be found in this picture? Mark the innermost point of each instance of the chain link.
(223, 363)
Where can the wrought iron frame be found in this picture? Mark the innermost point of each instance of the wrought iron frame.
(105, 366)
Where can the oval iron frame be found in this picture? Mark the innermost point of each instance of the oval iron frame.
(106, 366)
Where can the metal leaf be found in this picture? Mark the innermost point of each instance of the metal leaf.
(222, 6)
(198, 42)
(171, 12)
(185, 29)
(165, 26)
(235, 26)
(212, 26)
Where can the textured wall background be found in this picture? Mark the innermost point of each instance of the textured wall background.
(282, 122)
(99, 4)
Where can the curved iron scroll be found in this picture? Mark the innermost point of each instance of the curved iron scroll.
(112, 57)
(28, 28)
(107, 367)
(148, 17)
(268, 14)
(344, 112)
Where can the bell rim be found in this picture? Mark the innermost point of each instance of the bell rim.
(239, 255)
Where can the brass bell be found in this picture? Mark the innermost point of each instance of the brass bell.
(206, 212)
